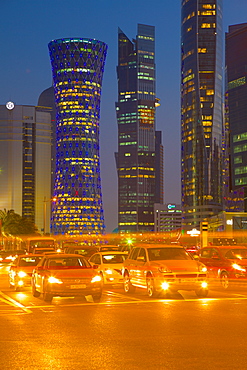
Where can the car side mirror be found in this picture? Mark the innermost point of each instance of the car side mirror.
(95, 266)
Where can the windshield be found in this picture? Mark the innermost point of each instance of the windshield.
(159, 254)
(236, 254)
(42, 243)
(113, 258)
(29, 261)
(65, 262)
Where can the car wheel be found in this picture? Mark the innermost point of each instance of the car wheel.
(202, 293)
(224, 280)
(151, 287)
(35, 292)
(47, 297)
(128, 287)
(96, 297)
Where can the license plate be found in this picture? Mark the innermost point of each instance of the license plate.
(187, 280)
(78, 286)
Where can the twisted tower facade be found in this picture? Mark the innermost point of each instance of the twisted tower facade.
(77, 69)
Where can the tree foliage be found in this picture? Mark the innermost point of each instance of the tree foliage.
(14, 224)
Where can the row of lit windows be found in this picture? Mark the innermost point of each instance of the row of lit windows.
(242, 181)
(128, 212)
(240, 170)
(136, 223)
(188, 17)
(207, 12)
(189, 77)
(208, 25)
(134, 176)
(80, 82)
(238, 159)
(190, 52)
(128, 143)
(240, 137)
(137, 168)
(240, 148)
(146, 37)
(236, 83)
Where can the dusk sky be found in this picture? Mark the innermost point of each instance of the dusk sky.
(27, 26)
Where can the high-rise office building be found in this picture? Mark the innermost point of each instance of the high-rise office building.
(25, 161)
(77, 69)
(136, 130)
(201, 110)
(236, 87)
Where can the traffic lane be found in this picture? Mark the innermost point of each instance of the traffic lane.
(161, 334)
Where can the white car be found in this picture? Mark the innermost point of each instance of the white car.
(109, 265)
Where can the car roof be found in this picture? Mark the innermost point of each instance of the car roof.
(226, 246)
(63, 255)
(160, 245)
(102, 253)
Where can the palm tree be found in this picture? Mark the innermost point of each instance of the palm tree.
(14, 224)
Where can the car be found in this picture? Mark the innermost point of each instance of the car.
(7, 257)
(164, 269)
(43, 250)
(65, 275)
(109, 264)
(106, 248)
(21, 269)
(227, 265)
(83, 250)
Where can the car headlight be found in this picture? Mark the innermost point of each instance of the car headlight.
(108, 271)
(203, 268)
(53, 280)
(164, 269)
(96, 279)
(239, 268)
(22, 274)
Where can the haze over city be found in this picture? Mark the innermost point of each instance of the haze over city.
(28, 27)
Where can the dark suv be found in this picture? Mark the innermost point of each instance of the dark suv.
(225, 264)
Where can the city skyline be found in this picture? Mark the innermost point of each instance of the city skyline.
(26, 70)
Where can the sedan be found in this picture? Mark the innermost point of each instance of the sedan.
(226, 265)
(160, 268)
(65, 275)
(21, 269)
(109, 265)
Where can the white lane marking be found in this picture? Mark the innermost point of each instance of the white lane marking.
(5, 298)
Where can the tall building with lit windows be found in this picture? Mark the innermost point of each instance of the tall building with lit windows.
(77, 69)
(136, 131)
(236, 87)
(201, 110)
(25, 161)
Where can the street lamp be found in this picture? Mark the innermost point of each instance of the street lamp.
(45, 211)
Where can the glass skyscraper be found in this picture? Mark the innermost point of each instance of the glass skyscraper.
(77, 69)
(136, 130)
(236, 87)
(201, 110)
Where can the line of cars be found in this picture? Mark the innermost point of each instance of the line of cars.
(159, 269)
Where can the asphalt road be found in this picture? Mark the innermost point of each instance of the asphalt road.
(122, 331)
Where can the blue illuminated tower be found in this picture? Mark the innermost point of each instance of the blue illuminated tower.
(77, 69)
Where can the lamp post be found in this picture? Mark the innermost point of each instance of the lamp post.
(45, 211)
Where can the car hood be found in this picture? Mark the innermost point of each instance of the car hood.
(73, 273)
(178, 265)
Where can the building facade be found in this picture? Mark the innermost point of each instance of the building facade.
(77, 69)
(167, 217)
(236, 86)
(201, 110)
(25, 161)
(135, 109)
